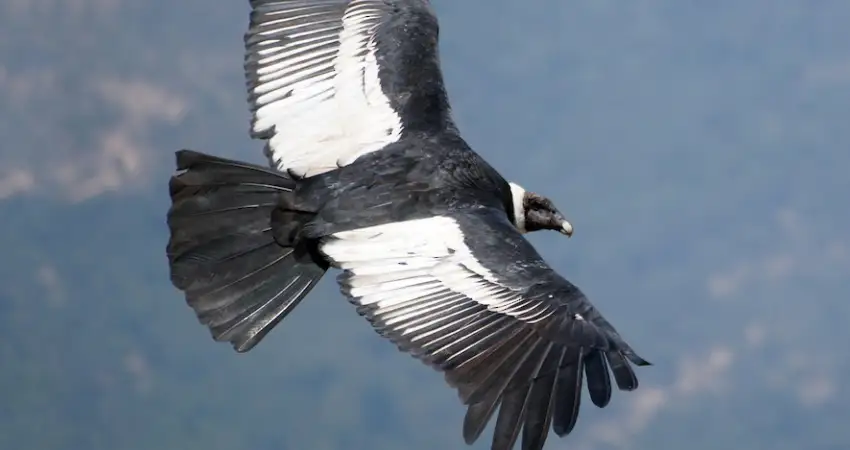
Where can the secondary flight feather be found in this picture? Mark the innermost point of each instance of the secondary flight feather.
(369, 175)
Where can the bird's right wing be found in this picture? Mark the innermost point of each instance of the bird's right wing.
(331, 80)
(467, 294)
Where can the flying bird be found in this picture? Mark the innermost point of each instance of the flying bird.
(368, 174)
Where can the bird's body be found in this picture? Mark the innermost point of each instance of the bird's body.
(414, 178)
(370, 176)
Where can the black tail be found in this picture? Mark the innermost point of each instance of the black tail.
(239, 269)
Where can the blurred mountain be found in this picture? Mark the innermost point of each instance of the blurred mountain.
(700, 150)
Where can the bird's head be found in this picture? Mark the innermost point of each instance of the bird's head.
(534, 212)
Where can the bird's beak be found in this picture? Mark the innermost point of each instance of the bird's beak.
(566, 228)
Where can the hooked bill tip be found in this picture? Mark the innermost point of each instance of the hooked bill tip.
(567, 228)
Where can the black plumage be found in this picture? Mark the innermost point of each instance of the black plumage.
(371, 176)
(240, 272)
(223, 252)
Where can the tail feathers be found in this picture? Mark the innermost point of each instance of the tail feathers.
(223, 255)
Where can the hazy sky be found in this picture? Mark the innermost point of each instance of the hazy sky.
(701, 153)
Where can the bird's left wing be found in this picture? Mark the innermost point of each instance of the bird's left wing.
(468, 295)
(330, 80)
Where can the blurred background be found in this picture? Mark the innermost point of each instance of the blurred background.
(701, 149)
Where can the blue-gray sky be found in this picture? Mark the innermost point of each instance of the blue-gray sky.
(700, 150)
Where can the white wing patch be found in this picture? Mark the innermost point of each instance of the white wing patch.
(423, 288)
(419, 275)
(313, 82)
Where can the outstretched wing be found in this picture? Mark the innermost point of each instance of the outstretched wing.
(330, 80)
(468, 295)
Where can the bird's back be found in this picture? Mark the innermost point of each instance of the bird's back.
(421, 175)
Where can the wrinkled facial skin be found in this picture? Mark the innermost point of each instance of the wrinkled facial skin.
(541, 214)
